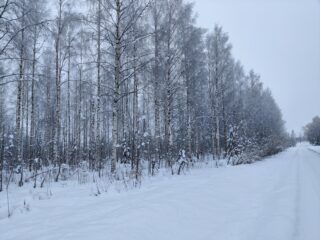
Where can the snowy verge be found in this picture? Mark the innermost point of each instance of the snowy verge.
(275, 199)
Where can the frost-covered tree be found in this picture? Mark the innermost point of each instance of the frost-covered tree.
(119, 85)
(218, 54)
(312, 131)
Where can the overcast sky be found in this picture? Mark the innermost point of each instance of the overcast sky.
(280, 40)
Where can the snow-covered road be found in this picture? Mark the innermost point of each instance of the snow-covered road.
(278, 198)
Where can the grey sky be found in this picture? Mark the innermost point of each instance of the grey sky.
(280, 40)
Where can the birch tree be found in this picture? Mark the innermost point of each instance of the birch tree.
(22, 56)
(37, 16)
(58, 31)
(124, 82)
(122, 21)
(218, 54)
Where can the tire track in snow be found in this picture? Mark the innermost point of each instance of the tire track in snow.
(310, 196)
(277, 218)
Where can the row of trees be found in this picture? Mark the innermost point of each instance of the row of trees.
(312, 131)
(111, 82)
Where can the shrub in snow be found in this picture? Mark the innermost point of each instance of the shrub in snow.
(65, 172)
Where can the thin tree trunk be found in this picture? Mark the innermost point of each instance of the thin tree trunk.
(57, 158)
(224, 122)
(68, 104)
(156, 87)
(32, 124)
(168, 110)
(217, 118)
(1, 158)
(115, 110)
(98, 136)
(18, 109)
(135, 114)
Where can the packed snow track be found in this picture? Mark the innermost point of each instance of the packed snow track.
(277, 199)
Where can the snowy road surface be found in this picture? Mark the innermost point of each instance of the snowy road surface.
(277, 199)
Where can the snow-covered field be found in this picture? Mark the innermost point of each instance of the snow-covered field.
(278, 198)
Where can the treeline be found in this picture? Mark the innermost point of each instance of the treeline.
(112, 82)
(312, 131)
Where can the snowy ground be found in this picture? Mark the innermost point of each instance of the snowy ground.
(278, 198)
(314, 148)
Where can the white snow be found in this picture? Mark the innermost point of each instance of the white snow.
(276, 199)
(314, 148)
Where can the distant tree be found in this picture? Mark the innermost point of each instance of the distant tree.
(312, 131)
(293, 139)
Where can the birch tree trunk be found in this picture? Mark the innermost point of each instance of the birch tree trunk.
(116, 94)
(33, 118)
(98, 108)
(57, 158)
(217, 117)
(68, 148)
(2, 146)
(168, 96)
(135, 114)
(224, 122)
(18, 136)
(156, 85)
